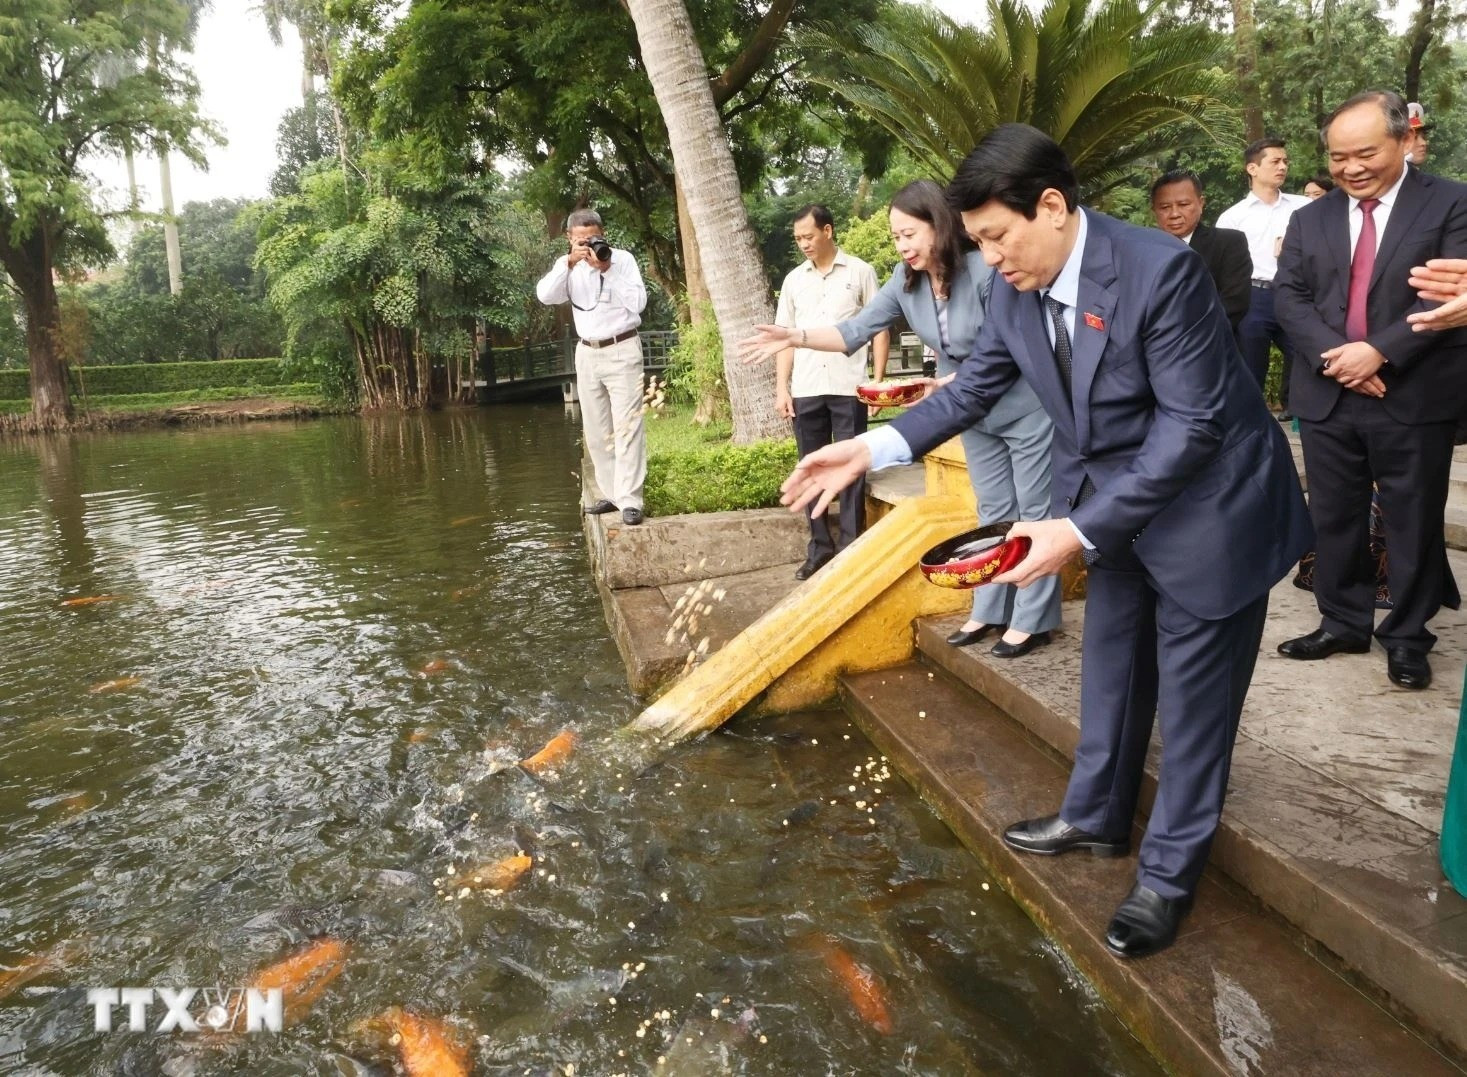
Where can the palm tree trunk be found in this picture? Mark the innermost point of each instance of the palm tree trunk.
(170, 223)
(705, 173)
(1245, 46)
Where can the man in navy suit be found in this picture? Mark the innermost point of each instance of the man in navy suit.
(1377, 402)
(1170, 475)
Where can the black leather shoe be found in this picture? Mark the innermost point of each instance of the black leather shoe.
(600, 508)
(1407, 667)
(809, 568)
(1002, 649)
(962, 638)
(1051, 836)
(631, 517)
(1321, 644)
(1145, 923)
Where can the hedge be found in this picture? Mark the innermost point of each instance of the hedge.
(718, 478)
(159, 377)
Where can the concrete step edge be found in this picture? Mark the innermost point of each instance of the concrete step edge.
(1316, 1022)
(1409, 976)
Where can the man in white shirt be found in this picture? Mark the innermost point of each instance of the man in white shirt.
(817, 389)
(604, 288)
(1262, 217)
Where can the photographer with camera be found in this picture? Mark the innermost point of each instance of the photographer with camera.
(604, 288)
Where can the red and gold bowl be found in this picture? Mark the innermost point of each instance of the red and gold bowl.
(889, 393)
(974, 557)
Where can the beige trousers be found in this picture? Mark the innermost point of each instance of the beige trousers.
(609, 383)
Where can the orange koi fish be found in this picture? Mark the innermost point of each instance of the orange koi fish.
(460, 521)
(117, 684)
(35, 966)
(302, 977)
(90, 600)
(436, 665)
(499, 875)
(862, 986)
(553, 754)
(424, 1045)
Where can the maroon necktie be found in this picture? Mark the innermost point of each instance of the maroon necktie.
(1361, 267)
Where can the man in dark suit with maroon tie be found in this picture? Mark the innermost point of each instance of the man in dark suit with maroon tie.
(1377, 402)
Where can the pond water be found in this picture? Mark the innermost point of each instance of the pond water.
(316, 649)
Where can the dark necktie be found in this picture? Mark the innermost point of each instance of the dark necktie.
(1064, 359)
(1362, 265)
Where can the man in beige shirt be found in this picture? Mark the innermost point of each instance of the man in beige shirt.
(817, 389)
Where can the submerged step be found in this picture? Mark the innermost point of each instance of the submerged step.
(1235, 995)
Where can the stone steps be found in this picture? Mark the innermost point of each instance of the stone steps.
(1348, 861)
(1236, 996)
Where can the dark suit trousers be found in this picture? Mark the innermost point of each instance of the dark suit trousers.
(1143, 656)
(1257, 331)
(1411, 464)
(819, 420)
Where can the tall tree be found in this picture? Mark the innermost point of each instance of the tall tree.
(1109, 87)
(57, 109)
(1245, 64)
(706, 174)
(193, 11)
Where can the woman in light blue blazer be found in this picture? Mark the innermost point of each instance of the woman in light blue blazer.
(941, 287)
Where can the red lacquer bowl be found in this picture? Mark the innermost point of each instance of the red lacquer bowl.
(974, 557)
(886, 394)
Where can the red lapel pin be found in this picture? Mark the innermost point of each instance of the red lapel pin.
(1094, 321)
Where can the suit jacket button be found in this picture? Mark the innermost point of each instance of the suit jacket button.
(1070, 501)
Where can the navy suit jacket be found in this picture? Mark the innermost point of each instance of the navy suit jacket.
(1426, 373)
(1192, 475)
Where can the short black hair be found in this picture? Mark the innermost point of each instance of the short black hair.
(1013, 164)
(1177, 175)
(1321, 179)
(1253, 152)
(820, 213)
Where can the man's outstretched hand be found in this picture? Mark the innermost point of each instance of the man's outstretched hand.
(823, 474)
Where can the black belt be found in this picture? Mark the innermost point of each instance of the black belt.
(609, 341)
(1261, 283)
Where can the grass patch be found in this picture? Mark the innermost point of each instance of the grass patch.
(693, 468)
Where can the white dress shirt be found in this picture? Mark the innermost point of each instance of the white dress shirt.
(810, 299)
(1381, 214)
(603, 305)
(1264, 224)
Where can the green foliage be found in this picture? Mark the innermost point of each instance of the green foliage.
(695, 366)
(164, 377)
(401, 265)
(12, 333)
(870, 241)
(718, 478)
(305, 135)
(1110, 89)
(77, 78)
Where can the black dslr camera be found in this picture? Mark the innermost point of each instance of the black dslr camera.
(600, 248)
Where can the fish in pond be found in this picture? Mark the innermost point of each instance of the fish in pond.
(434, 666)
(495, 875)
(425, 1046)
(302, 977)
(90, 600)
(554, 753)
(117, 684)
(862, 986)
(461, 520)
(705, 1046)
(34, 966)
